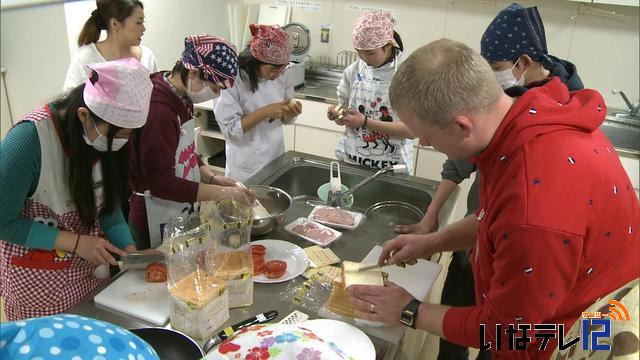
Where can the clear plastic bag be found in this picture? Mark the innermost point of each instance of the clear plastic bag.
(311, 294)
(198, 301)
(228, 254)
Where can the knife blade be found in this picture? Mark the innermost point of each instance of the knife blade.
(230, 330)
(139, 260)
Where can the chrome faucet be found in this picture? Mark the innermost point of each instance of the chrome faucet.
(337, 200)
(633, 110)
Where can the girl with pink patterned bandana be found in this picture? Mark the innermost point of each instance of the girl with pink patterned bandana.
(252, 113)
(62, 185)
(374, 136)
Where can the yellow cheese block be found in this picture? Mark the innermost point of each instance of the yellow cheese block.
(352, 275)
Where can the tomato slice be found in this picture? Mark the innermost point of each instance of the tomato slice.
(275, 268)
(258, 249)
(156, 272)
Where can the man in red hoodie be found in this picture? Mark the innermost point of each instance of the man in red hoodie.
(558, 224)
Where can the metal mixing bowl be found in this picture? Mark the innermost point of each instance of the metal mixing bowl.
(276, 202)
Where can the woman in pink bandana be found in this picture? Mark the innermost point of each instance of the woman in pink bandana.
(251, 114)
(62, 184)
(374, 135)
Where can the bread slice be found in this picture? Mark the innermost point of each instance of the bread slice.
(352, 276)
(197, 289)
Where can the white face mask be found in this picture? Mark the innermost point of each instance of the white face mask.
(506, 79)
(100, 143)
(203, 95)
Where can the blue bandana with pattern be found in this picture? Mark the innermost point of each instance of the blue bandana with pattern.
(515, 31)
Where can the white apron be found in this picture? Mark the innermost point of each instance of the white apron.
(369, 94)
(160, 211)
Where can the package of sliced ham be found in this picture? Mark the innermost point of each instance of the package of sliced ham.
(313, 232)
(336, 217)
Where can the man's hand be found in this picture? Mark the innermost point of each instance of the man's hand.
(405, 249)
(380, 303)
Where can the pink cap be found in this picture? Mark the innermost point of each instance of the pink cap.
(270, 44)
(373, 30)
(119, 92)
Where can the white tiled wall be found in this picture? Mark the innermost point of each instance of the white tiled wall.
(605, 50)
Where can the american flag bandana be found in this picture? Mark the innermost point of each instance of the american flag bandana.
(216, 57)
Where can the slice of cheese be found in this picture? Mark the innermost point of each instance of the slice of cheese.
(352, 275)
(197, 289)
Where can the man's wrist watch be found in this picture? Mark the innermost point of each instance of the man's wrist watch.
(409, 314)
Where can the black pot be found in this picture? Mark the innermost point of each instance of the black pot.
(170, 344)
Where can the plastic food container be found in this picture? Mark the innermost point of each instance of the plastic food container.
(319, 212)
(325, 235)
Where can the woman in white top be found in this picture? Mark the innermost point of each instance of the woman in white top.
(374, 136)
(251, 113)
(124, 22)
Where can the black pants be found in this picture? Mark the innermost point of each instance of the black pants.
(458, 290)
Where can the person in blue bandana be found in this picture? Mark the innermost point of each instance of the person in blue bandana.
(515, 46)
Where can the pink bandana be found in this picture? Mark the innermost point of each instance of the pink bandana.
(119, 92)
(270, 44)
(373, 30)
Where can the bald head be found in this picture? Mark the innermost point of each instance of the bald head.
(441, 80)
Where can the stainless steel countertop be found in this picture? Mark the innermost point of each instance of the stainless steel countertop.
(354, 245)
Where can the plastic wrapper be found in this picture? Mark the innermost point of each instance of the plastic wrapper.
(310, 294)
(336, 217)
(328, 299)
(198, 301)
(313, 232)
(228, 254)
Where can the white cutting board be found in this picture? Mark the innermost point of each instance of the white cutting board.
(131, 294)
(416, 279)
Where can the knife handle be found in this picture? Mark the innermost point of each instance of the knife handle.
(230, 330)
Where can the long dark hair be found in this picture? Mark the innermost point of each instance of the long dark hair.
(99, 19)
(180, 70)
(81, 158)
(249, 65)
(394, 51)
(398, 40)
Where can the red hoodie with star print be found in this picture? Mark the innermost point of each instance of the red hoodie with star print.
(559, 221)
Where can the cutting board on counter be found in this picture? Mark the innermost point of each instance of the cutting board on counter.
(416, 279)
(131, 294)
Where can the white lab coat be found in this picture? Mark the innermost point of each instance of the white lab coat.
(248, 152)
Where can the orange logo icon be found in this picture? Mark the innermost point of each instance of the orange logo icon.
(617, 311)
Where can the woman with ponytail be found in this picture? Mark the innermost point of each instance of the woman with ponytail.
(124, 22)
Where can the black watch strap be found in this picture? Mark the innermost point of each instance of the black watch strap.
(409, 314)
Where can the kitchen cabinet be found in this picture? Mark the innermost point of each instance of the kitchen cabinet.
(316, 141)
(209, 140)
(429, 164)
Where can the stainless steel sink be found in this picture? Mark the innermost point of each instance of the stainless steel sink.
(304, 178)
(300, 175)
(623, 131)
